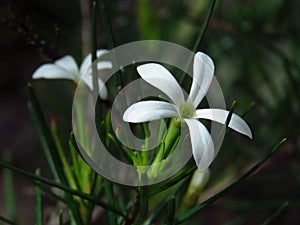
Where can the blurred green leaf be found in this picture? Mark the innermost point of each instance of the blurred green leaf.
(147, 19)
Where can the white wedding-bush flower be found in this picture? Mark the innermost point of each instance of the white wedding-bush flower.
(185, 109)
(67, 68)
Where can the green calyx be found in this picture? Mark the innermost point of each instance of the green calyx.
(187, 110)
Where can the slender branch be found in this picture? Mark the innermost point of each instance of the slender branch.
(201, 34)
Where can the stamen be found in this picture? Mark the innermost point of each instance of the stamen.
(187, 110)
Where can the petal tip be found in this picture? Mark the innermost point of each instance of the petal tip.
(206, 60)
(147, 66)
(126, 115)
(250, 135)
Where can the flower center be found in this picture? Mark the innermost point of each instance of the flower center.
(187, 110)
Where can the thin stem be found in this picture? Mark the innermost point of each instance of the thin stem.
(9, 189)
(106, 24)
(94, 51)
(85, 27)
(110, 41)
(205, 25)
(277, 213)
(39, 202)
(201, 34)
(143, 200)
(109, 193)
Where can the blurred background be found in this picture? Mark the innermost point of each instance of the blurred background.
(255, 47)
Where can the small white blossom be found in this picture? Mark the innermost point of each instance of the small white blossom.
(67, 68)
(201, 141)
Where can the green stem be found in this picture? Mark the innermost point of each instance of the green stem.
(171, 136)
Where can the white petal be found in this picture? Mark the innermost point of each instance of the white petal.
(149, 110)
(202, 144)
(158, 76)
(69, 64)
(203, 71)
(51, 71)
(89, 82)
(220, 115)
(87, 62)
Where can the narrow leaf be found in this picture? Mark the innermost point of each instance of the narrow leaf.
(9, 189)
(230, 113)
(39, 203)
(276, 214)
(109, 38)
(161, 206)
(61, 152)
(185, 216)
(33, 178)
(94, 49)
(171, 211)
(184, 173)
(7, 220)
(45, 136)
(143, 201)
(50, 150)
(61, 218)
(106, 24)
(109, 193)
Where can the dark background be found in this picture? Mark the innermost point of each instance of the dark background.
(255, 47)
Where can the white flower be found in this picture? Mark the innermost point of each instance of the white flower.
(201, 141)
(67, 68)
